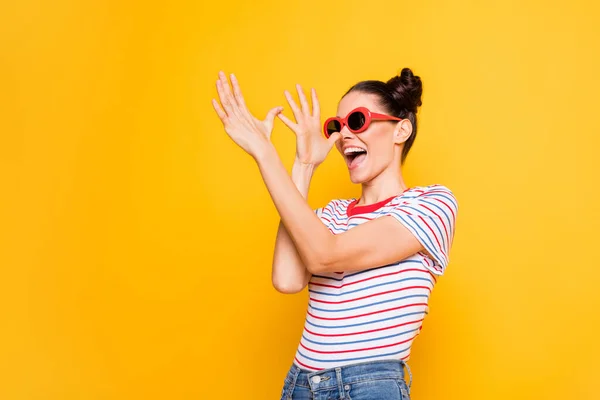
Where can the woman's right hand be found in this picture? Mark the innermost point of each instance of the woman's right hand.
(312, 146)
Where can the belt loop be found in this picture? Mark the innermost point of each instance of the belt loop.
(338, 375)
(295, 372)
(404, 363)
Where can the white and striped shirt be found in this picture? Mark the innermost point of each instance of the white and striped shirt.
(376, 313)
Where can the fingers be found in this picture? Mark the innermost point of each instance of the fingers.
(295, 110)
(316, 111)
(273, 113)
(228, 100)
(303, 101)
(222, 114)
(238, 92)
(334, 138)
(225, 101)
(226, 88)
(288, 122)
(271, 117)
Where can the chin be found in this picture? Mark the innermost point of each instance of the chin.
(360, 175)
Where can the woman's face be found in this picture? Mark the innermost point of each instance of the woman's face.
(367, 154)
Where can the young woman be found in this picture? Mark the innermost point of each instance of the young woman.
(369, 278)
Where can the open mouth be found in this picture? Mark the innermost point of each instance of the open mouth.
(354, 156)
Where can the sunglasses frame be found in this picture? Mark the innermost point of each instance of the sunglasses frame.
(369, 117)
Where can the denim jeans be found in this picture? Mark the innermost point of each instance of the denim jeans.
(376, 380)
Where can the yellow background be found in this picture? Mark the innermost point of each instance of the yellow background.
(137, 238)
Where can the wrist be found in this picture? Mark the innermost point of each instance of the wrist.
(264, 153)
(302, 176)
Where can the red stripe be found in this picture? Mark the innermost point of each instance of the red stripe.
(307, 366)
(371, 295)
(432, 232)
(439, 216)
(355, 217)
(435, 236)
(437, 267)
(451, 210)
(444, 203)
(360, 333)
(368, 279)
(355, 350)
(426, 258)
(371, 313)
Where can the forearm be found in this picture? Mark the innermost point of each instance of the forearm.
(308, 233)
(289, 274)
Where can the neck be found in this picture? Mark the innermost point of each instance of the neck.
(385, 185)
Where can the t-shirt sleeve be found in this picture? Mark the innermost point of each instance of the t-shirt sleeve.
(326, 212)
(431, 217)
(331, 215)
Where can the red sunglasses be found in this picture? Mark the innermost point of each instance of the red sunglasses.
(357, 120)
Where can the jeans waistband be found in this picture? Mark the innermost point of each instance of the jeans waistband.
(348, 374)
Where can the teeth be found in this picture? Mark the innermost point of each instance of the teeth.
(353, 150)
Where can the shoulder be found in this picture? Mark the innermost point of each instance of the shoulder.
(423, 194)
(424, 202)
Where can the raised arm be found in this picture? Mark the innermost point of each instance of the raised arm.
(290, 275)
(373, 243)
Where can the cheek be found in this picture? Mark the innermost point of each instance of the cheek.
(381, 155)
(378, 148)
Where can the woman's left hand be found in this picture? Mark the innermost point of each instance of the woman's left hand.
(248, 132)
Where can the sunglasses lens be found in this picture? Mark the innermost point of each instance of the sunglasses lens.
(356, 120)
(333, 126)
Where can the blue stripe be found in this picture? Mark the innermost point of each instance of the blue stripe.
(370, 287)
(333, 218)
(369, 270)
(369, 305)
(359, 341)
(433, 221)
(425, 240)
(446, 196)
(354, 359)
(337, 216)
(363, 323)
(337, 230)
(449, 220)
(372, 269)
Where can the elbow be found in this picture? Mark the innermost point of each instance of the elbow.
(321, 263)
(325, 258)
(287, 283)
(288, 287)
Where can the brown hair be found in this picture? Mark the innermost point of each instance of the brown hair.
(400, 96)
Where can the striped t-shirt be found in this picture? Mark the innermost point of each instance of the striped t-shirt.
(376, 313)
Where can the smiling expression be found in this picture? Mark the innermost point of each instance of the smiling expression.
(369, 153)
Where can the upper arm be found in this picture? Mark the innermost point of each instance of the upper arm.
(374, 243)
(423, 224)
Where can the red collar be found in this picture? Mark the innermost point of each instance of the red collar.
(353, 209)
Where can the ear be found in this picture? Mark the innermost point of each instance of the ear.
(402, 131)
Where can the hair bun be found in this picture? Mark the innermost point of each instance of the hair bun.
(407, 89)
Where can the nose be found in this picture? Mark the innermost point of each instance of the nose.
(346, 133)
